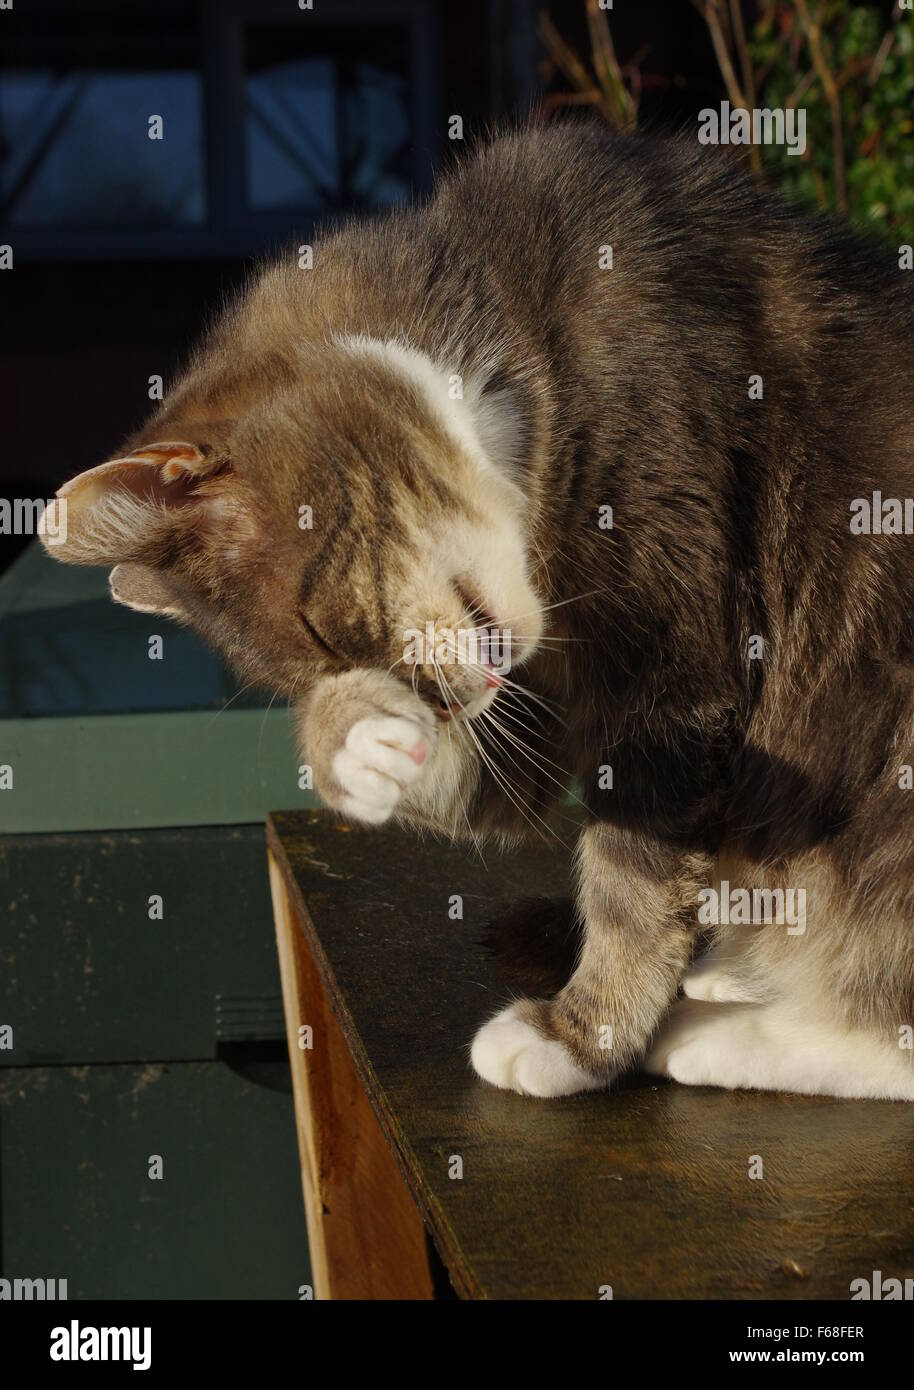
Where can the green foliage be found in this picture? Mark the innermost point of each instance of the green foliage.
(876, 93)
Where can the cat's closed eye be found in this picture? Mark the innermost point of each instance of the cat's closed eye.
(316, 637)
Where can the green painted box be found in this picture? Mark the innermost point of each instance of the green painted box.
(136, 919)
(137, 945)
(101, 735)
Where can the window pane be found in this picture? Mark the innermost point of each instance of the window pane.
(76, 148)
(329, 127)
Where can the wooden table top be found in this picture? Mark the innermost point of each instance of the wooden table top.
(645, 1189)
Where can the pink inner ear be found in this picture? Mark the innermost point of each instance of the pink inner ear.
(161, 474)
(172, 470)
(174, 457)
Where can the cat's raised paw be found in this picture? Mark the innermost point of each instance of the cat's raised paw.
(510, 1053)
(381, 758)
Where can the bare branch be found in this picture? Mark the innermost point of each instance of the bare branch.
(552, 100)
(885, 47)
(568, 62)
(742, 49)
(801, 88)
(606, 66)
(830, 87)
(710, 11)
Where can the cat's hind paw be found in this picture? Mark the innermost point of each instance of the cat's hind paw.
(510, 1053)
(709, 981)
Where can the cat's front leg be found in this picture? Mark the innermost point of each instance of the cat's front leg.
(378, 753)
(370, 741)
(638, 900)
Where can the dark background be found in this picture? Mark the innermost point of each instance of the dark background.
(275, 119)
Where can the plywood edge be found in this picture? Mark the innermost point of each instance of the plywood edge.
(446, 1243)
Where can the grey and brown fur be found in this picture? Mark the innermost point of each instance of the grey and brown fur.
(587, 388)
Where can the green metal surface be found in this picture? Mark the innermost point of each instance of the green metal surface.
(226, 1219)
(137, 770)
(87, 975)
(104, 742)
(100, 737)
(68, 648)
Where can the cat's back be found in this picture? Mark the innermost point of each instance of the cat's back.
(561, 183)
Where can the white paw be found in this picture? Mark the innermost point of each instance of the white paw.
(699, 1063)
(381, 758)
(510, 1053)
(707, 1044)
(715, 985)
(711, 979)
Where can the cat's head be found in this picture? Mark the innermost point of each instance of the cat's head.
(337, 507)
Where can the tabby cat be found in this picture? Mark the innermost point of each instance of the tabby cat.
(606, 407)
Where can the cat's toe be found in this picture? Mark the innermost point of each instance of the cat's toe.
(676, 1033)
(716, 986)
(381, 758)
(510, 1053)
(698, 984)
(694, 1064)
(707, 1044)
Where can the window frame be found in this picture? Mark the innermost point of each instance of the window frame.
(231, 228)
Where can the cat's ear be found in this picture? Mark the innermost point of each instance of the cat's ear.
(147, 590)
(503, 411)
(132, 508)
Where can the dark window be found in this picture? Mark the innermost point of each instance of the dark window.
(271, 116)
(77, 150)
(329, 126)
